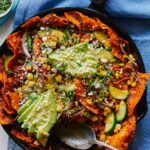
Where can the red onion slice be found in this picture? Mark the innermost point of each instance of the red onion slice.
(24, 45)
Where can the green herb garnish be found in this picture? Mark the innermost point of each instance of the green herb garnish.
(4, 5)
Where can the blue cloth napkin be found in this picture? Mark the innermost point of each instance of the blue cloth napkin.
(133, 16)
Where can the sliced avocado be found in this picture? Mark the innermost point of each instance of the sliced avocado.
(122, 112)
(53, 37)
(110, 123)
(105, 54)
(60, 36)
(118, 93)
(25, 114)
(33, 113)
(37, 121)
(51, 107)
(27, 104)
(24, 107)
(102, 38)
(40, 116)
(77, 60)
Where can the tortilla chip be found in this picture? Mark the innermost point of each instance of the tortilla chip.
(5, 81)
(7, 102)
(122, 139)
(9, 83)
(26, 138)
(1, 78)
(80, 94)
(31, 22)
(136, 93)
(4, 117)
(21, 136)
(53, 20)
(81, 21)
(37, 46)
(14, 42)
(8, 107)
(14, 98)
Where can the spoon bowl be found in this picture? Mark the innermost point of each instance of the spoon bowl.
(77, 135)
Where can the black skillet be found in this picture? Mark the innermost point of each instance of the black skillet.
(98, 12)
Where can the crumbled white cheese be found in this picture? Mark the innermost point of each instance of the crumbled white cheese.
(97, 85)
(49, 50)
(121, 71)
(62, 47)
(42, 28)
(103, 60)
(103, 41)
(90, 93)
(44, 39)
(47, 33)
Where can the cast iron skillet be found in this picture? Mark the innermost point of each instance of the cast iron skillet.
(97, 5)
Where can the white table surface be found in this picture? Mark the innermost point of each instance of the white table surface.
(5, 29)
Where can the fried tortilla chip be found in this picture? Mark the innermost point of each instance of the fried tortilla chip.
(122, 139)
(53, 20)
(22, 136)
(31, 22)
(137, 92)
(8, 106)
(14, 42)
(8, 110)
(28, 139)
(1, 78)
(81, 21)
(14, 98)
(81, 96)
(4, 117)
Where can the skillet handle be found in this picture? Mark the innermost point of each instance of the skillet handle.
(97, 5)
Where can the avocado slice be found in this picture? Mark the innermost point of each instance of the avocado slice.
(51, 108)
(75, 59)
(40, 116)
(102, 38)
(118, 93)
(48, 103)
(27, 104)
(26, 112)
(33, 113)
(60, 36)
(105, 54)
(24, 107)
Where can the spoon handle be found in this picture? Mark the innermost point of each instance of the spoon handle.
(105, 145)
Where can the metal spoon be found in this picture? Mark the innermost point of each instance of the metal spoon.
(78, 136)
